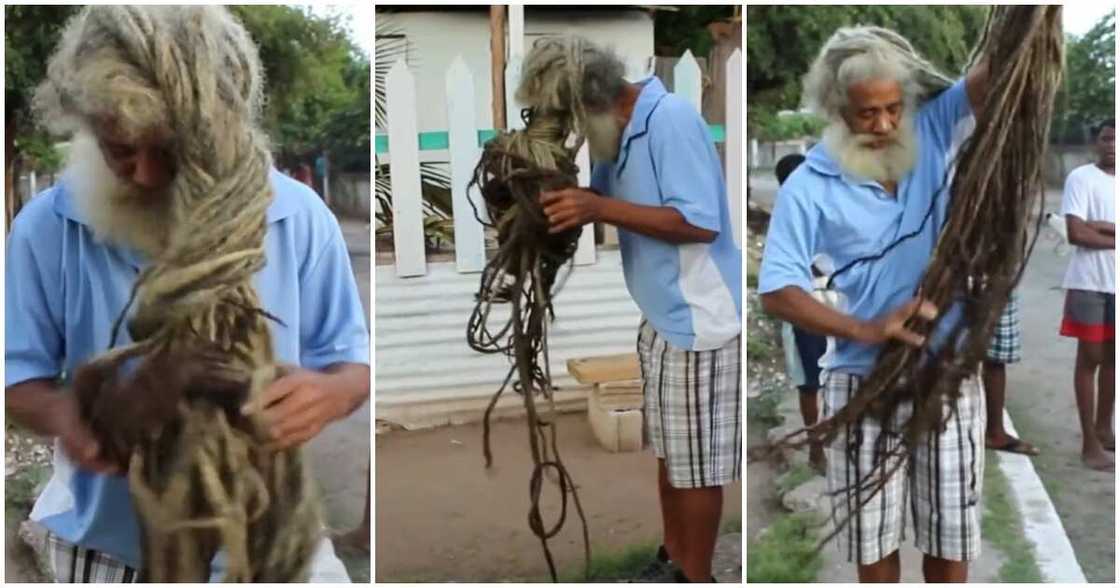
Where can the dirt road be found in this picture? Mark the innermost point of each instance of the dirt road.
(442, 517)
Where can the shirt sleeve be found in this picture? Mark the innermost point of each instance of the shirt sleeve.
(1075, 197)
(332, 322)
(33, 301)
(941, 115)
(686, 163)
(791, 242)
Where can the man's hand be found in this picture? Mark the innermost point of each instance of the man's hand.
(570, 208)
(297, 406)
(1103, 227)
(893, 325)
(77, 439)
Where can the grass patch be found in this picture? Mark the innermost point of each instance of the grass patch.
(732, 525)
(759, 349)
(786, 552)
(752, 280)
(1002, 527)
(612, 566)
(796, 476)
(19, 489)
(765, 410)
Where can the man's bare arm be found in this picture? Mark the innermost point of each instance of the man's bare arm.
(46, 410)
(1084, 234)
(1103, 227)
(976, 85)
(796, 306)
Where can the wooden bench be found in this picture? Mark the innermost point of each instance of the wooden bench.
(614, 406)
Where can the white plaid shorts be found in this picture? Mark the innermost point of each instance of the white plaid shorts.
(1007, 339)
(73, 564)
(940, 482)
(77, 565)
(692, 409)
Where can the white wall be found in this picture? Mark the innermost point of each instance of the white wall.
(435, 38)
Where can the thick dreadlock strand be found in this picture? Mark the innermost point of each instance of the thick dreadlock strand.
(514, 169)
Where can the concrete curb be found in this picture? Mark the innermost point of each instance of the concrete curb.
(1041, 525)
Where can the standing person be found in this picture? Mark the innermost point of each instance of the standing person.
(804, 349)
(1006, 348)
(657, 177)
(1089, 205)
(75, 251)
(879, 170)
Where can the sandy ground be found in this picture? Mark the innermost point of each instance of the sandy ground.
(442, 517)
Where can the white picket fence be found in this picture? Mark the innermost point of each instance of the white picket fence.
(464, 150)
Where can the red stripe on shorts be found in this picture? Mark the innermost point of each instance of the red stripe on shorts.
(1098, 333)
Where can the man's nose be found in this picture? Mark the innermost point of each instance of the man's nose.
(883, 124)
(149, 170)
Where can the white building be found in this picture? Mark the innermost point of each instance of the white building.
(435, 35)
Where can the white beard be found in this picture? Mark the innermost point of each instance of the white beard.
(604, 136)
(118, 212)
(889, 164)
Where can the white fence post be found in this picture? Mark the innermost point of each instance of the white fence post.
(733, 148)
(516, 21)
(462, 136)
(516, 52)
(688, 82)
(513, 108)
(404, 170)
(585, 249)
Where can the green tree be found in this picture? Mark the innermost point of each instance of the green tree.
(314, 82)
(1088, 92)
(30, 34)
(782, 42)
(674, 31)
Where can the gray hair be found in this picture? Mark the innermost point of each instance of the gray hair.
(150, 66)
(570, 74)
(856, 54)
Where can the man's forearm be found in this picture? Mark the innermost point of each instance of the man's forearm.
(1087, 235)
(351, 382)
(1102, 227)
(796, 306)
(33, 404)
(660, 222)
(976, 85)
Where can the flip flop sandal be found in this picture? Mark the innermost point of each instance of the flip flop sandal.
(1016, 446)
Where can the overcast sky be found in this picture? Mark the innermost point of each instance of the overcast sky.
(361, 21)
(1079, 17)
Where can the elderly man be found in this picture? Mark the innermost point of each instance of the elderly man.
(76, 249)
(876, 180)
(656, 176)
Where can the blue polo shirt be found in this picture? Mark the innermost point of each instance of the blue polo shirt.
(65, 289)
(823, 210)
(690, 293)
